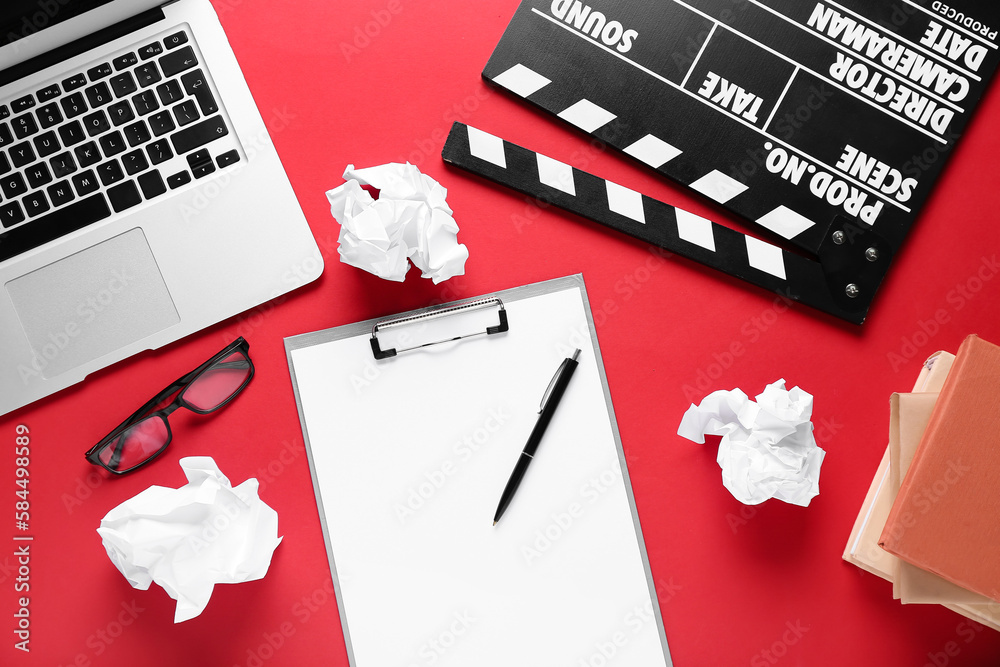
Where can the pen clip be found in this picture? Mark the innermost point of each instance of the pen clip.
(552, 382)
(548, 390)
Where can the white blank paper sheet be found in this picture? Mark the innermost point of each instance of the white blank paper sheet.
(409, 457)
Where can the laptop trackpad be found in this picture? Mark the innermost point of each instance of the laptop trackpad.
(94, 302)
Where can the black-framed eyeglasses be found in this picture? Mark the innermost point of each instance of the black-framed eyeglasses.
(140, 438)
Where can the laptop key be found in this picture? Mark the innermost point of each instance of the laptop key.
(169, 92)
(123, 84)
(11, 214)
(4, 111)
(13, 185)
(60, 193)
(24, 126)
(63, 165)
(99, 94)
(150, 50)
(176, 39)
(87, 154)
(137, 133)
(196, 84)
(49, 93)
(96, 123)
(151, 184)
(159, 151)
(134, 161)
(22, 103)
(199, 134)
(177, 61)
(125, 61)
(72, 133)
(6, 138)
(121, 113)
(85, 182)
(46, 144)
(147, 74)
(145, 102)
(124, 196)
(47, 228)
(161, 123)
(38, 175)
(22, 154)
(201, 163)
(74, 105)
(74, 82)
(113, 144)
(35, 204)
(228, 158)
(203, 170)
(178, 179)
(99, 72)
(4, 164)
(186, 113)
(110, 172)
(49, 115)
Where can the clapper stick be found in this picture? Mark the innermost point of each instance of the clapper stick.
(841, 281)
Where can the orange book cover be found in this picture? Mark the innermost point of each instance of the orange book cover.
(946, 518)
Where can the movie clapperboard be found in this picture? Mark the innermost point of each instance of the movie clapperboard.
(824, 123)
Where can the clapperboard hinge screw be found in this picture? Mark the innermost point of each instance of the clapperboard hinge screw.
(852, 291)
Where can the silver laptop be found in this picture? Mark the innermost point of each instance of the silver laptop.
(141, 198)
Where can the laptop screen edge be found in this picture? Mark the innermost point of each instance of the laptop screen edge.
(53, 36)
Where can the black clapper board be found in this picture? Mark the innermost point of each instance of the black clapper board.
(825, 123)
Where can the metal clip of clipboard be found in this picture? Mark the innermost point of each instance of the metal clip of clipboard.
(430, 316)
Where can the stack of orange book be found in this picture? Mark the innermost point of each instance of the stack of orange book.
(929, 523)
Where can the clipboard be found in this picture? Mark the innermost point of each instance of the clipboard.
(409, 455)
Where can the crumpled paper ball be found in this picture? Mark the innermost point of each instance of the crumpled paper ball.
(410, 221)
(189, 539)
(767, 448)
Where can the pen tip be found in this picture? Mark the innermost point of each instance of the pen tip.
(576, 355)
(494, 523)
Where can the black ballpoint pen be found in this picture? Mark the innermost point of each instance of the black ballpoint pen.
(550, 401)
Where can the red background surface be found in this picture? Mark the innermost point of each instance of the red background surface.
(733, 580)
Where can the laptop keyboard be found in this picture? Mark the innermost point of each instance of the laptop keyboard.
(102, 140)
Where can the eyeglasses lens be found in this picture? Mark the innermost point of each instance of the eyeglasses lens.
(138, 443)
(218, 382)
